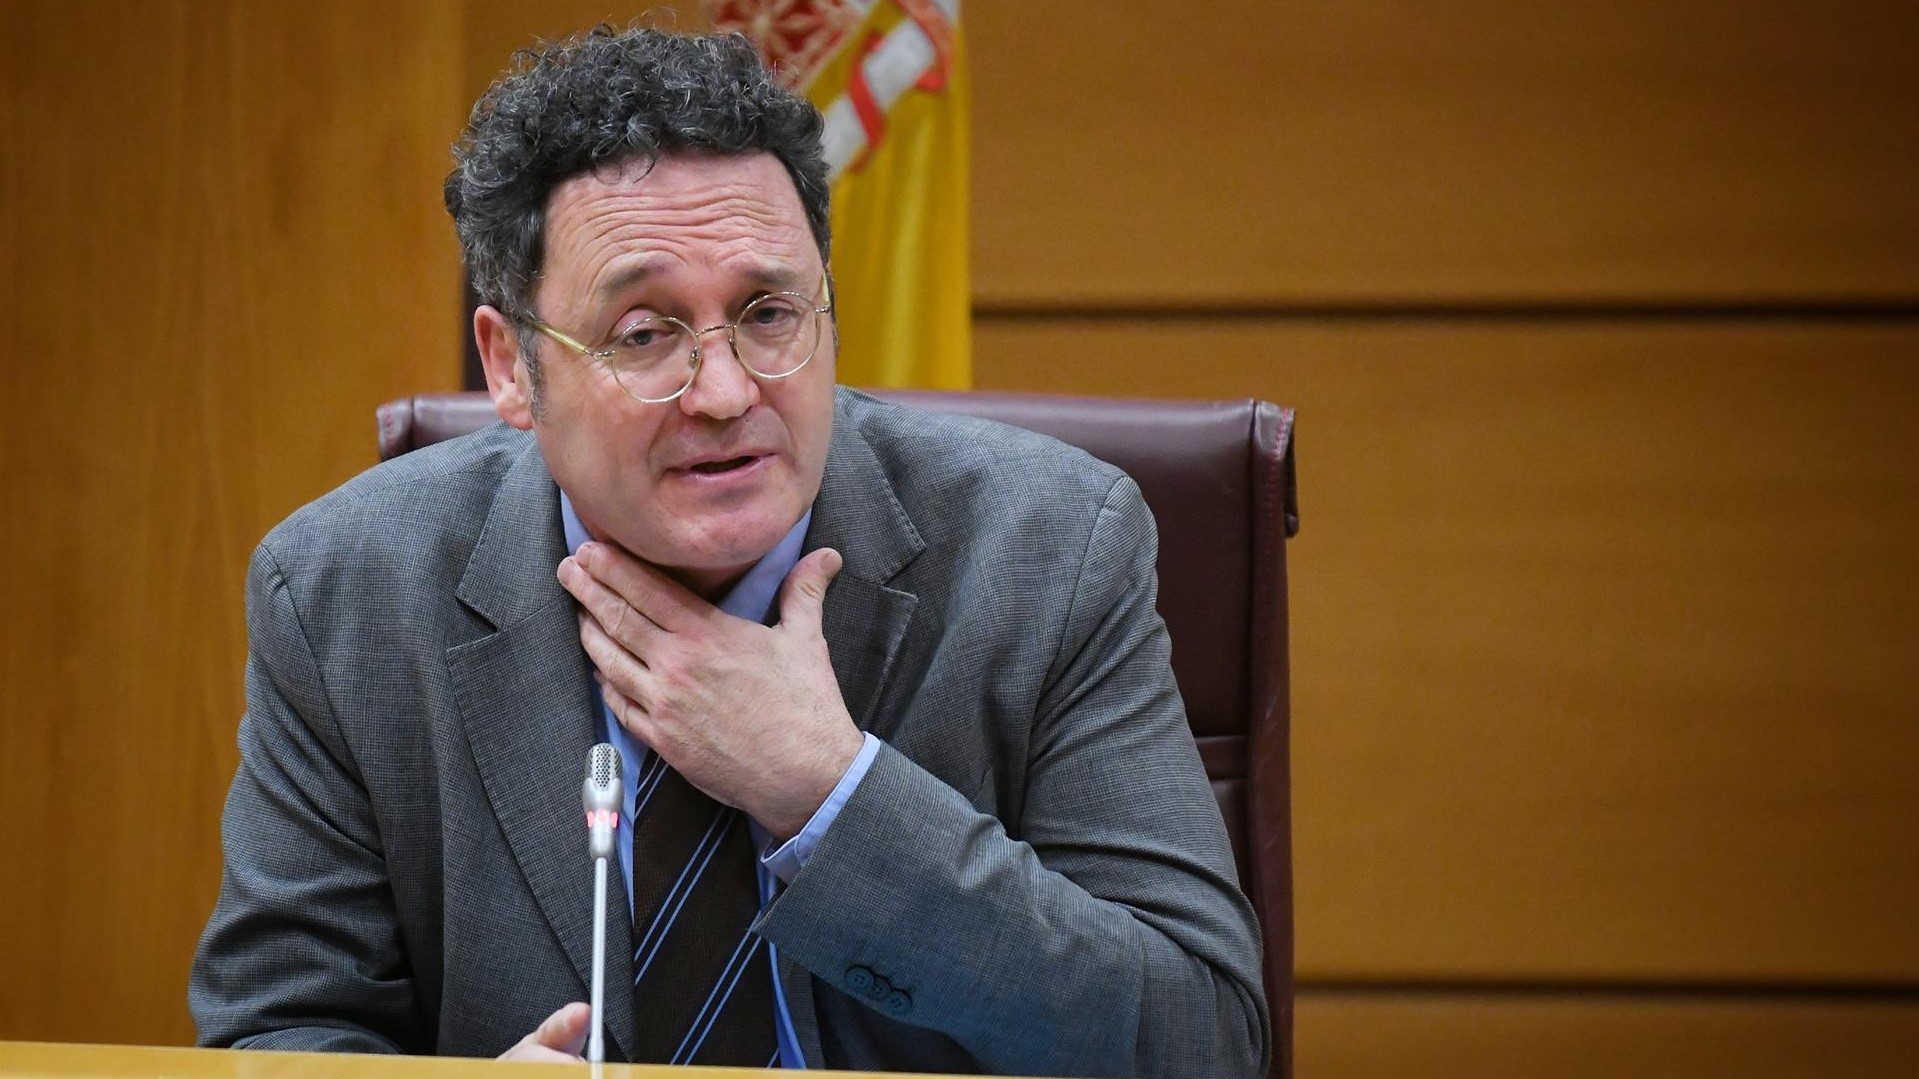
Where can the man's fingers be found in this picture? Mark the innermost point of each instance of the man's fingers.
(565, 1030)
(613, 659)
(803, 595)
(664, 601)
(624, 708)
(608, 607)
(528, 1053)
(560, 1038)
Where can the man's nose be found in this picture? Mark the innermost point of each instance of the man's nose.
(722, 388)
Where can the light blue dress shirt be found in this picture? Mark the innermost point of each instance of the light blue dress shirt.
(751, 599)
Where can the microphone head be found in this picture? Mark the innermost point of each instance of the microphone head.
(604, 780)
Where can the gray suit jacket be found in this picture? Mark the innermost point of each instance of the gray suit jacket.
(1033, 874)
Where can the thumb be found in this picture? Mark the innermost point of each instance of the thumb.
(804, 594)
(565, 1030)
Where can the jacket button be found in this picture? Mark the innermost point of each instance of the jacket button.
(877, 992)
(898, 1003)
(859, 980)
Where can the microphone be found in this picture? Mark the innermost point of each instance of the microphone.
(602, 795)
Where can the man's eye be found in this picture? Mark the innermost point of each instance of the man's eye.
(772, 314)
(645, 336)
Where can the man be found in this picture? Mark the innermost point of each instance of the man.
(911, 782)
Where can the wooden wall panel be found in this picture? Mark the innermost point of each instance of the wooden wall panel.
(224, 245)
(1575, 1037)
(1603, 635)
(496, 29)
(1603, 627)
(1357, 151)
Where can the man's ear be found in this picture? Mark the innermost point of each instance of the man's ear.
(507, 378)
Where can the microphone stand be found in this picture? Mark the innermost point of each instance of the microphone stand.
(596, 1040)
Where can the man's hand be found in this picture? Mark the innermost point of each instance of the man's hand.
(750, 714)
(558, 1040)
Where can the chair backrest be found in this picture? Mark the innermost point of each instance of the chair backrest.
(1219, 479)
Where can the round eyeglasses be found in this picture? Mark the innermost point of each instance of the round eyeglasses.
(656, 359)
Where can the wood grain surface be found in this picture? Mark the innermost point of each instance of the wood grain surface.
(42, 1060)
(1603, 635)
(1373, 151)
(1586, 1037)
(224, 246)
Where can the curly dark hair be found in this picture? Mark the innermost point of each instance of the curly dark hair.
(603, 98)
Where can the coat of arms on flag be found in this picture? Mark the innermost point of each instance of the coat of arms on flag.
(890, 78)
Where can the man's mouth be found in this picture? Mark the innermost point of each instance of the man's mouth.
(713, 468)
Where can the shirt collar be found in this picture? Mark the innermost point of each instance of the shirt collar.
(752, 598)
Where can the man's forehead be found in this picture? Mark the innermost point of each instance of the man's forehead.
(648, 216)
(755, 183)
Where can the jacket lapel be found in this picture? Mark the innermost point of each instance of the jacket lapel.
(864, 620)
(530, 715)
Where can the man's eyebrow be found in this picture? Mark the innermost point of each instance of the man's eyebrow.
(776, 276)
(622, 279)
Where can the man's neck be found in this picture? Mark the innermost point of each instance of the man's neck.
(711, 585)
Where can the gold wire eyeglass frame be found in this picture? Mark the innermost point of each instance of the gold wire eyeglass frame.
(604, 355)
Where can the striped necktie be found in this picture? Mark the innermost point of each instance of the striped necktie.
(702, 982)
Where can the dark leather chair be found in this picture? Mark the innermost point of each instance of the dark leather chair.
(1219, 479)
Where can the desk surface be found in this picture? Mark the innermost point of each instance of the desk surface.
(21, 1060)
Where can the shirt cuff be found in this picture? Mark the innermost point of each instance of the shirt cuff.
(786, 860)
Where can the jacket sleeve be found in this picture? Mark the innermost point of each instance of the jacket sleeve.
(303, 950)
(1106, 935)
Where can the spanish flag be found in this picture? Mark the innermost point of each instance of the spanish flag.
(890, 77)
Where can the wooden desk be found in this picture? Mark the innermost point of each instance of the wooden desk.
(40, 1060)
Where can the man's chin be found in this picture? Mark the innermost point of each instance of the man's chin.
(724, 554)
